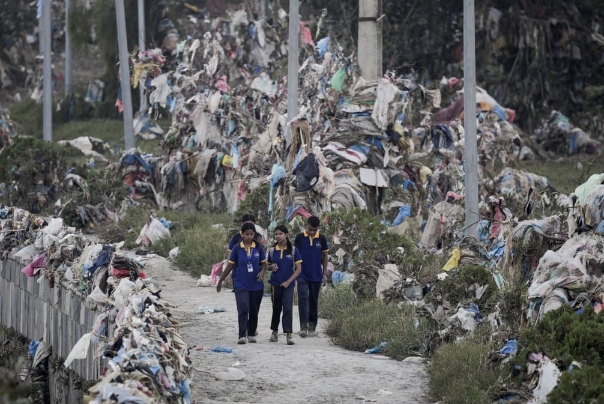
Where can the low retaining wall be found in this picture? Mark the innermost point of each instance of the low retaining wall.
(57, 315)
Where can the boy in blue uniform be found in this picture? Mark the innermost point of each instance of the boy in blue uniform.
(248, 263)
(313, 249)
(284, 261)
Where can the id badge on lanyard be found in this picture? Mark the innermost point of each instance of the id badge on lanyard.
(250, 267)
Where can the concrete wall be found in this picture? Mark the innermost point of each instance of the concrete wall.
(56, 314)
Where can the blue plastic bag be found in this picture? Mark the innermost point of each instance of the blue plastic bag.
(221, 349)
(403, 212)
(377, 348)
(33, 347)
(510, 347)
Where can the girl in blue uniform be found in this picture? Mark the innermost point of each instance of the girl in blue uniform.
(248, 263)
(284, 261)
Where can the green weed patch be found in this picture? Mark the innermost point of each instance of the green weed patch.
(200, 244)
(459, 373)
(370, 323)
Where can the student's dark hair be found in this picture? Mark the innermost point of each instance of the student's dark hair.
(282, 228)
(248, 226)
(313, 221)
(248, 218)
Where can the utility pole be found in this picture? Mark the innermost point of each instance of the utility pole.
(141, 47)
(370, 64)
(263, 9)
(471, 160)
(68, 68)
(370, 39)
(293, 63)
(47, 73)
(124, 74)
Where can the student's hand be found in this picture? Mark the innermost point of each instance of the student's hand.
(325, 279)
(285, 284)
(260, 276)
(218, 287)
(274, 267)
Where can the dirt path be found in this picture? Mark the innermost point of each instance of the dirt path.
(312, 371)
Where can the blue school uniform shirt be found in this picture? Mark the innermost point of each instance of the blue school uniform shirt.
(238, 238)
(311, 251)
(287, 265)
(240, 256)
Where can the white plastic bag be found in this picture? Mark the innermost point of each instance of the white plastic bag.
(232, 374)
(204, 280)
(152, 232)
(80, 350)
(122, 293)
(388, 276)
(174, 253)
(548, 379)
(54, 226)
(97, 295)
(466, 318)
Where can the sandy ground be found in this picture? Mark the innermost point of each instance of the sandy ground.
(313, 370)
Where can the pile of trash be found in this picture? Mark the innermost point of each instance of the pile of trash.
(227, 139)
(572, 275)
(559, 136)
(90, 147)
(148, 358)
(137, 172)
(44, 177)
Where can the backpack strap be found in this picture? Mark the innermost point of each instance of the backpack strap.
(271, 253)
(323, 241)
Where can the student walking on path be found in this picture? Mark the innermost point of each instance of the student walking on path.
(313, 250)
(284, 262)
(248, 263)
(236, 239)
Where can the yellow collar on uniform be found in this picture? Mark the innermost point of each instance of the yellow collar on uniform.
(311, 238)
(277, 248)
(245, 248)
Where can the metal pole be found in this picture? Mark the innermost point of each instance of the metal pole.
(293, 63)
(370, 39)
(141, 47)
(471, 158)
(263, 9)
(68, 68)
(124, 74)
(47, 74)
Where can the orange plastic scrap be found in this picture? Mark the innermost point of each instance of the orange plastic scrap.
(192, 7)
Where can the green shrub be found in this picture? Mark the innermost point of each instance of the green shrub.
(579, 386)
(457, 287)
(336, 300)
(200, 245)
(30, 165)
(459, 373)
(565, 336)
(27, 114)
(369, 247)
(365, 326)
(200, 248)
